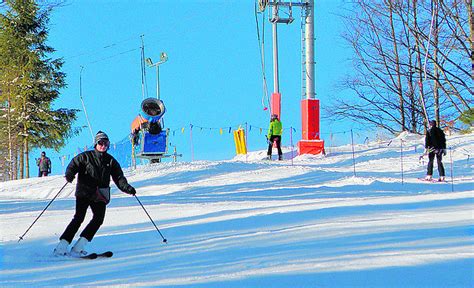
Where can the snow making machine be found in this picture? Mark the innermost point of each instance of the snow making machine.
(149, 138)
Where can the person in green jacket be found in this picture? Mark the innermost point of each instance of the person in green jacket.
(274, 135)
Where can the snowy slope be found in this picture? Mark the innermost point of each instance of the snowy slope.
(307, 222)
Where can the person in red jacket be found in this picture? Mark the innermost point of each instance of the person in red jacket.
(44, 165)
(435, 145)
(94, 169)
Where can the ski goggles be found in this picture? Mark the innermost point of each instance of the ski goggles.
(103, 143)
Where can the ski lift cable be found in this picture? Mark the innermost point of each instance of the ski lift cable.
(96, 51)
(262, 61)
(264, 76)
(83, 105)
(113, 56)
(261, 45)
(143, 70)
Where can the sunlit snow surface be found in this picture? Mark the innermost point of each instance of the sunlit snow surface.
(314, 221)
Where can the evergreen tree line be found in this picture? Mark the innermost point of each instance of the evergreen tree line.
(413, 62)
(30, 82)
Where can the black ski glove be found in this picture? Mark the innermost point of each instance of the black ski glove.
(131, 190)
(69, 178)
(444, 152)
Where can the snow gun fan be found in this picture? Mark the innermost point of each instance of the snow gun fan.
(153, 109)
(148, 135)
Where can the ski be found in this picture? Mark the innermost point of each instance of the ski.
(432, 180)
(92, 256)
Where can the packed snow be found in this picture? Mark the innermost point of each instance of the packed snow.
(356, 217)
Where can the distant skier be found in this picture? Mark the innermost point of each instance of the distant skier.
(435, 145)
(274, 134)
(44, 165)
(94, 169)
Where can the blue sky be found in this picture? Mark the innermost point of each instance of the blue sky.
(213, 78)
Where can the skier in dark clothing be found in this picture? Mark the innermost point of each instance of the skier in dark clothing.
(44, 165)
(94, 169)
(435, 145)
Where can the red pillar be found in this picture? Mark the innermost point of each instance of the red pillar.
(275, 104)
(275, 107)
(310, 142)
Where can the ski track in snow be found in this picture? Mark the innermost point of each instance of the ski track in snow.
(306, 222)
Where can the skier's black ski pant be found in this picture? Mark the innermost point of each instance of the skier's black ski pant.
(276, 138)
(439, 158)
(98, 215)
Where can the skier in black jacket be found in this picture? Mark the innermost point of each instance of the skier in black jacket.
(435, 144)
(94, 169)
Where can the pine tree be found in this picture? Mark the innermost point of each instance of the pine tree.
(30, 82)
(467, 117)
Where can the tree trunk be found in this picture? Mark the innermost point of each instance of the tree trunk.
(15, 165)
(397, 70)
(434, 7)
(420, 64)
(27, 157)
(411, 90)
(22, 140)
(471, 33)
(411, 95)
(21, 162)
(10, 140)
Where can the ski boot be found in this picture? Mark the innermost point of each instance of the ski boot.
(78, 249)
(61, 249)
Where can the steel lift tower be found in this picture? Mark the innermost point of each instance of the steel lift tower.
(310, 110)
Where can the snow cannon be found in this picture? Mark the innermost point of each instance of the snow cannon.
(148, 135)
(153, 109)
